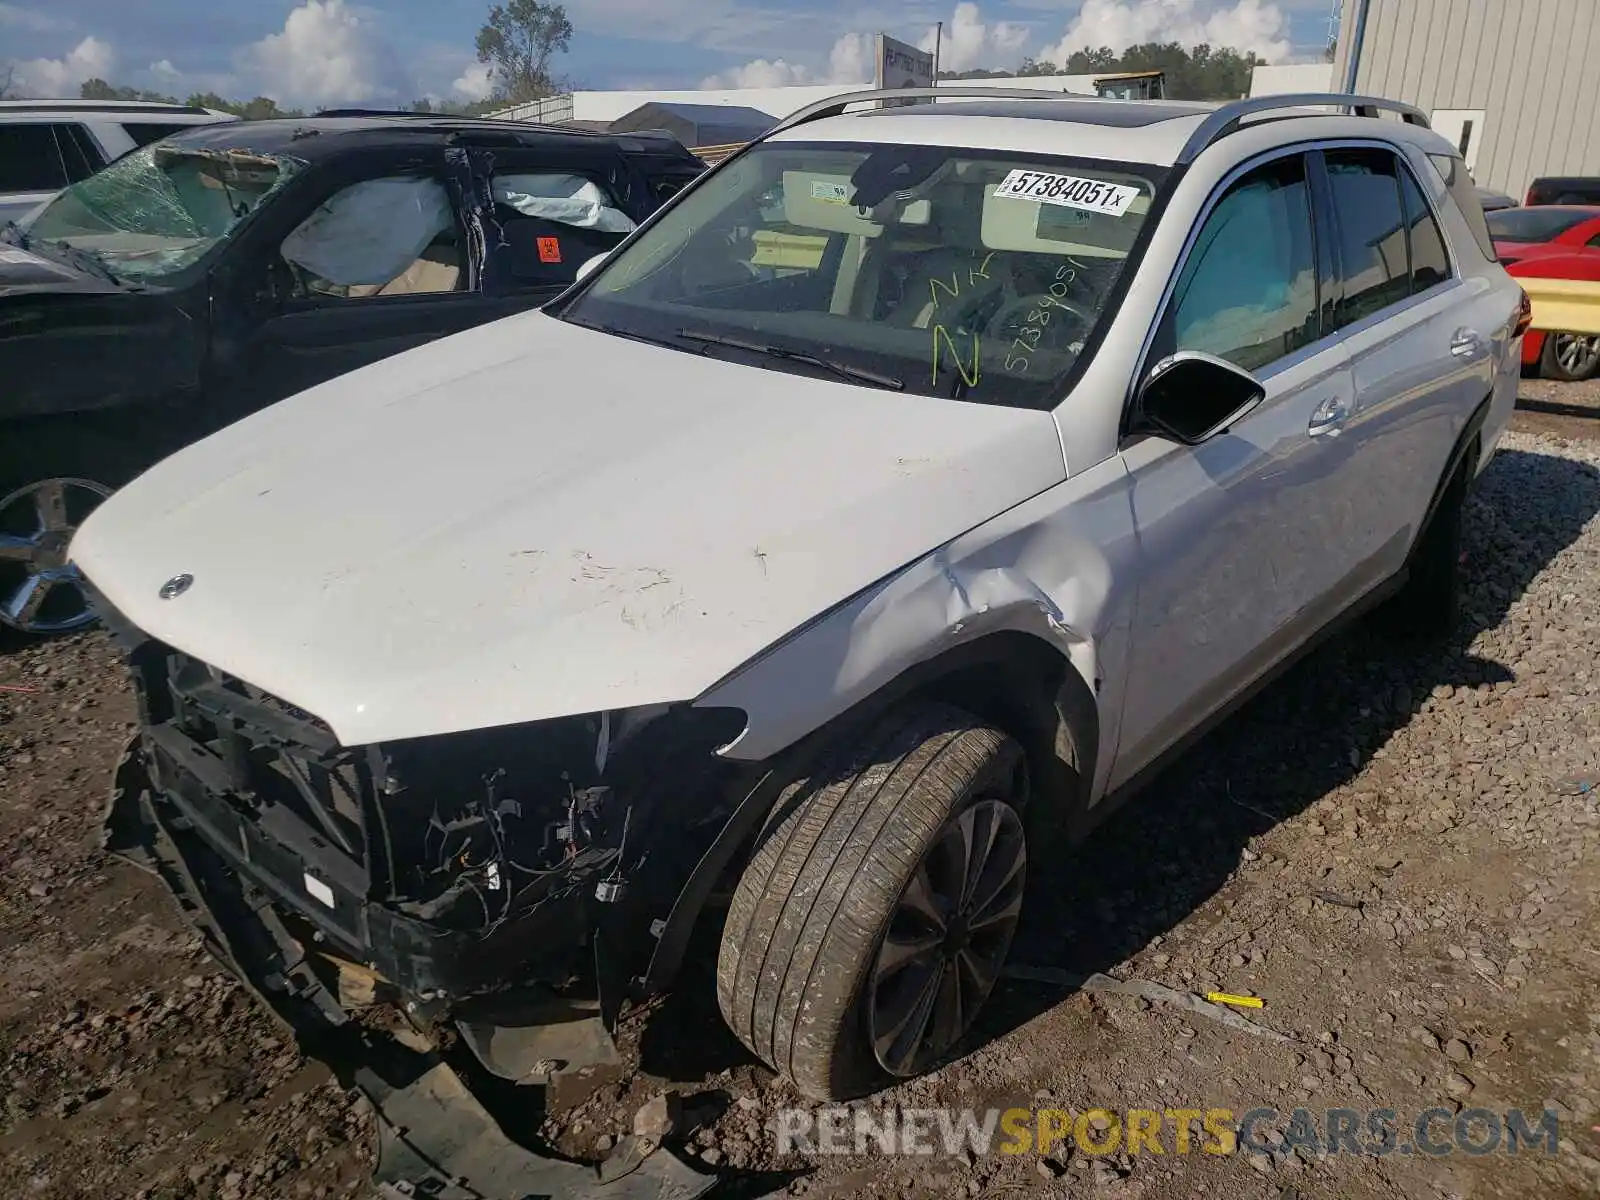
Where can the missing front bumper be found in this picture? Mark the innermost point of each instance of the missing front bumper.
(435, 1138)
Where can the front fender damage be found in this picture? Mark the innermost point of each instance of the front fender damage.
(1049, 568)
(435, 1138)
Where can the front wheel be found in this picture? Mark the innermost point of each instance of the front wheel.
(871, 924)
(50, 481)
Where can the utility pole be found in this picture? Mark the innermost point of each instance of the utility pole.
(938, 41)
(1352, 49)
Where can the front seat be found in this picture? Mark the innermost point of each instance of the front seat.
(437, 269)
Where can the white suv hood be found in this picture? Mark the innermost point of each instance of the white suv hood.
(531, 520)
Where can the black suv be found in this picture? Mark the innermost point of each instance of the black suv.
(207, 275)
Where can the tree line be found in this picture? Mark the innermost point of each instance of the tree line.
(520, 40)
(1198, 73)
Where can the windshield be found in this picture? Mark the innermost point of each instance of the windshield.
(159, 209)
(1538, 224)
(972, 274)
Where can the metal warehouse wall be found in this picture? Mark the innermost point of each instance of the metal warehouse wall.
(1524, 73)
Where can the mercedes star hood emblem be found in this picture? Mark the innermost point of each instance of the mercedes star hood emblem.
(176, 586)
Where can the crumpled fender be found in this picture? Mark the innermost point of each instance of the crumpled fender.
(1057, 567)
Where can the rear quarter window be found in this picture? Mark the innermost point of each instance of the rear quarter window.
(1453, 170)
(145, 132)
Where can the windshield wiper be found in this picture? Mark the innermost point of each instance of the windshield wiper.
(84, 260)
(844, 370)
(621, 333)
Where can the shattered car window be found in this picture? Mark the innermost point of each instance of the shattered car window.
(379, 237)
(161, 208)
(981, 275)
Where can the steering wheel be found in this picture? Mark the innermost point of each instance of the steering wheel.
(1040, 319)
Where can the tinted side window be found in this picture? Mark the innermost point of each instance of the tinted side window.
(78, 152)
(1430, 262)
(1248, 291)
(88, 147)
(145, 132)
(1372, 231)
(1458, 179)
(29, 160)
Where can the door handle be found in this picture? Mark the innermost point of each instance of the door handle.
(1329, 418)
(1466, 343)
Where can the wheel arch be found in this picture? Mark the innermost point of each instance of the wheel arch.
(1023, 684)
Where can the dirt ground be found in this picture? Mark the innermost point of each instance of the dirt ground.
(1393, 848)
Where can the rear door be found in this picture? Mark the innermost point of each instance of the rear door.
(1421, 346)
(550, 210)
(1244, 537)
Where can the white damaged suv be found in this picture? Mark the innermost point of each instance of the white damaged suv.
(901, 495)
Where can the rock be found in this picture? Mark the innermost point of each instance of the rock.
(656, 1120)
(1457, 1051)
(711, 1156)
(1458, 1085)
(1426, 1036)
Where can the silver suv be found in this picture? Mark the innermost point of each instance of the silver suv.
(898, 498)
(47, 144)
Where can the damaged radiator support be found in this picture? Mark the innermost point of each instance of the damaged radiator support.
(435, 1138)
(485, 901)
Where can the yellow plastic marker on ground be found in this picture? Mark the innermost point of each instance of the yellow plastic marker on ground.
(1241, 1001)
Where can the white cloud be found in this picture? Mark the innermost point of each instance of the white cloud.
(165, 70)
(475, 83)
(970, 42)
(328, 53)
(1248, 25)
(850, 61)
(58, 78)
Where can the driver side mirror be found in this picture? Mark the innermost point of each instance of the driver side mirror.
(589, 266)
(1192, 396)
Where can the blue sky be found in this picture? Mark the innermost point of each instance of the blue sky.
(317, 52)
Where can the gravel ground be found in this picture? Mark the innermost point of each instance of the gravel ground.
(1382, 847)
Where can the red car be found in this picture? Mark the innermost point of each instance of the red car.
(1552, 241)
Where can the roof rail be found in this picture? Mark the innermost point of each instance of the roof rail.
(134, 107)
(1229, 117)
(1226, 119)
(834, 105)
(383, 112)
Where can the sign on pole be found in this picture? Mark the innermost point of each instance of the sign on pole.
(901, 65)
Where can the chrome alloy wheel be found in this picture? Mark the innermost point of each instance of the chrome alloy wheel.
(947, 938)
(1578, 354)
(39, 588)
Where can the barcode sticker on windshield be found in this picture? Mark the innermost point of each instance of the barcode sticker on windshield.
(1069, 191)
(830, 193)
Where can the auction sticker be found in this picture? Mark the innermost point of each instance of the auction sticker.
(1069, 191)
(830, 193)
